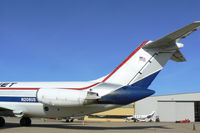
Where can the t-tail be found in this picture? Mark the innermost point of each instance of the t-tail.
(141, 67)
(151, 114)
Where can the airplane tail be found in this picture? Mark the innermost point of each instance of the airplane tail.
(136, 72)
(139, 64)
(149, 58)
(151, 114)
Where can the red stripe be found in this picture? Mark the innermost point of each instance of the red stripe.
(19, 88)
(135, 51)
(83, 88)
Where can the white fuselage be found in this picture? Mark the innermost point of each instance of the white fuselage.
(126, 84)
(21, 97)
(142, 118)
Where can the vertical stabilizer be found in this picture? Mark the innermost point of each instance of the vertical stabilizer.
(150, 57)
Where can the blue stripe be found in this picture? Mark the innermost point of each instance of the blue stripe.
(131, 93)
(19, 99)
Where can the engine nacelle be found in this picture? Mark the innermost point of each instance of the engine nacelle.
(65, 97)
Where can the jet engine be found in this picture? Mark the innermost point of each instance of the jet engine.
(66, 97)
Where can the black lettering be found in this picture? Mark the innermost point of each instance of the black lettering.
(11, 84)
(4, 84)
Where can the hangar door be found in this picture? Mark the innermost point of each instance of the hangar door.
(171, 111)
(166, 111)
(185, 110)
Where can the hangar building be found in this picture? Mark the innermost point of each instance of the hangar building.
(171, 108)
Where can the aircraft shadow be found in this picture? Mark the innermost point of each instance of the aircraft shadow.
(86, 127)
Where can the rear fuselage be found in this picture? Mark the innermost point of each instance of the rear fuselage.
(127, 83)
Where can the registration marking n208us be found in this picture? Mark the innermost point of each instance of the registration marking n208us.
(28, 99)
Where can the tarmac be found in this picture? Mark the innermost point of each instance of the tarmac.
(59, 126)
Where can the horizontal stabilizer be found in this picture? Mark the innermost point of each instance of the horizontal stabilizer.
(169, 40)
(178, 56)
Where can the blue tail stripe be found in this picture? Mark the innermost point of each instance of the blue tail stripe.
(131, 93)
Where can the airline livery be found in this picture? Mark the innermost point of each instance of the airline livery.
(128, 83)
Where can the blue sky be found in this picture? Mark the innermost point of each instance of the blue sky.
(80, 40)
